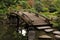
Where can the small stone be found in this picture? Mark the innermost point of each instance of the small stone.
(57, 32)
(49, 30)
(43, 27)
(44, 36)
(57, 36)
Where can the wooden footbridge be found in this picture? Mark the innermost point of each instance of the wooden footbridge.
(38, 27)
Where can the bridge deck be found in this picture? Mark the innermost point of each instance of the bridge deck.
(32, 18)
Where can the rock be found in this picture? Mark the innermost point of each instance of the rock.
(43, 27)
(48, 30)
(31, 35)
(57, 36)
(56, 32)
(44, 36)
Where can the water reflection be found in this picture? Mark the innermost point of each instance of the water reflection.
(23, 31)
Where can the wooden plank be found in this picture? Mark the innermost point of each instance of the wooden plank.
(37, 20)
(25, 19)
(31, 17)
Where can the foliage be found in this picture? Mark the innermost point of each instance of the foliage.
(23, 4)
(38, 6)
(57, 3)
(52, 8)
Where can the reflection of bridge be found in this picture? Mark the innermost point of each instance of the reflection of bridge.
(32, 23)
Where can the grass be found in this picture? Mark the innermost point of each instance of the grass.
(48, 15)
(51, 16)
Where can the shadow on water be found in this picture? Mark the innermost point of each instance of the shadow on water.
(7, 32)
